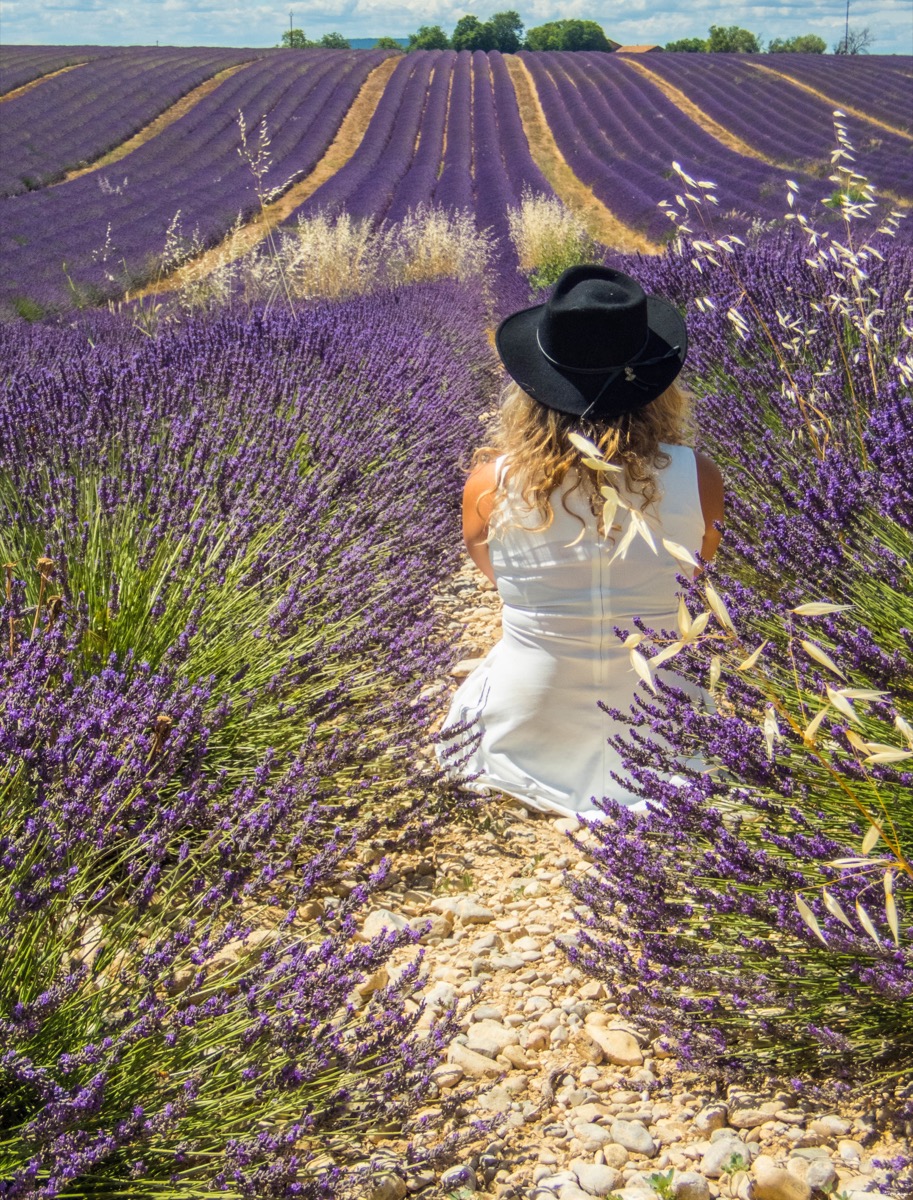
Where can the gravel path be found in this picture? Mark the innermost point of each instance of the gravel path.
(588, 1103)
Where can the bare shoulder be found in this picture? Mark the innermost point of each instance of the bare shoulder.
(710, 487)
(478, 494)
(478, 501)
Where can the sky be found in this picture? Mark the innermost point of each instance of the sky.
(236, 23)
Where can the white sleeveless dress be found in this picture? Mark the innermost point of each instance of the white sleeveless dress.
(535, 697)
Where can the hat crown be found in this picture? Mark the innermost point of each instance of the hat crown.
(596, 319)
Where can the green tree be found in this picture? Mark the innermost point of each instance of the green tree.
(856, 41)
(387, 43)
(688, 45)
(334, 41)
(429, 37)
(506, 31)
(471, 34)
(567, 35)
(732, 40)
(294, 39)
(803, 43)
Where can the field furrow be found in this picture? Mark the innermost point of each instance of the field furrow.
(241, 239)
(697, 115)
(22, 65)
(602, 223)
(27, 87)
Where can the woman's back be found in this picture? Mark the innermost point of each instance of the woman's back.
(538, 694)
(568, 569)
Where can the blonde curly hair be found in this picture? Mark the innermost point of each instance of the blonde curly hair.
(539, 453)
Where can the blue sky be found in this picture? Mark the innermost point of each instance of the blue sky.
(227, 23)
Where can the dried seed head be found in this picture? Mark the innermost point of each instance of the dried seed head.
(45, 566)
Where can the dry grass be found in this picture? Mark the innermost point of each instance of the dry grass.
(548, 237)
(697, 115)
(242, 238)
(155, 127)
(334, 257)
(601, 223)
(27, 87)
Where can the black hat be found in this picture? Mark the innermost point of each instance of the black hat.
(599, 347)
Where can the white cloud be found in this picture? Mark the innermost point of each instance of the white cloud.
(217, 22)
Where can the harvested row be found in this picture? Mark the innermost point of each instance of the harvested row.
(367, 183)
(80, 115)
(601, 224)
(110, 231)
(782, 121)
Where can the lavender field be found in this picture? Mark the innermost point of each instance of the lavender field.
(229, 511)
(446, 132)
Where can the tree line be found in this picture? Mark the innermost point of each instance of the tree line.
(505, 32)
(731, 39)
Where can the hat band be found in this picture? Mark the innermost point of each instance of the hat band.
(595, 370)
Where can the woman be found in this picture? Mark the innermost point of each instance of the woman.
(599, 359)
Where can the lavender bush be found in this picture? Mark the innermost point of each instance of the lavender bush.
(216, 617)
(760, 915)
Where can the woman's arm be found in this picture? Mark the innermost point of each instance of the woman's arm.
(478, 501)
(710, 489)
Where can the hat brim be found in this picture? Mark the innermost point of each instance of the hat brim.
(573, 392)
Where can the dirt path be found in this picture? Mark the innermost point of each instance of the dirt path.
(155, 127)
(588, 1103)
(240, 241)
(27, 87)
(599, 220)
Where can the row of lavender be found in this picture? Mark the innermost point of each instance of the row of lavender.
(78, 116)
(620, 134)
(794, 126)
(447, 134)
(785, 946)
(216, 628)
(108, 228)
